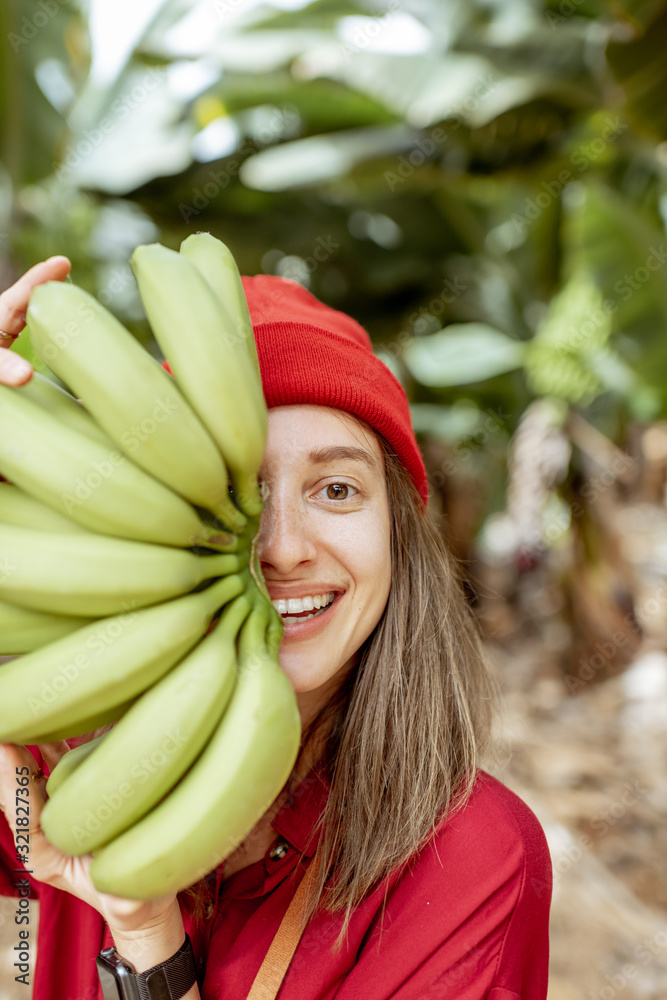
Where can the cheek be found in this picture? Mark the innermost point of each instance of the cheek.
(366, 552)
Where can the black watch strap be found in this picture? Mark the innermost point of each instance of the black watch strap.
(169, 980)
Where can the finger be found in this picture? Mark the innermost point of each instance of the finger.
(23, 810)
(14, 370)
(22, 792)
(19, 770)
(14, 300)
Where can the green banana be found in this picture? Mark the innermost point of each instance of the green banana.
(130, 395)
(64, 407)
(68, 764)
(22, 630)
(211, 363)
(214, 260)
(91, 724)
(227, 790)
(19, 508)
(152, 746)
(102, 665)
(94, 486)
(95, 575)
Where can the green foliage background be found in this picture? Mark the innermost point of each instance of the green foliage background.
(489, 201)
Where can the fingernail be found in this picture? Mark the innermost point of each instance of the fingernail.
(15, 368)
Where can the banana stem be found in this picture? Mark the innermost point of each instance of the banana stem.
(233, 617)
(274, 634)
(220, 565)
(275, 629)
(221, 592)
(214, 538)
(249, 499)
(251, 638)
(231, 516)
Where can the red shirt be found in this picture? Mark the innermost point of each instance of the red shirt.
(467, 920)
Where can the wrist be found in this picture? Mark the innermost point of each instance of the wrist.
(172, 979)
(152, 943)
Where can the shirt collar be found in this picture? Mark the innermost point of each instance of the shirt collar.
(295, 822)
(296, 819)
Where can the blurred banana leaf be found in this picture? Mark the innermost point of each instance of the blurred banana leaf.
(472, 181)
(462, 353)
(639, 65)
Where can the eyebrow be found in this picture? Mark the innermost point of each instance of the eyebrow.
(321, 456)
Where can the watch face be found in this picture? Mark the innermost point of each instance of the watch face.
(116, 976)
(169, 980)
(109, 983)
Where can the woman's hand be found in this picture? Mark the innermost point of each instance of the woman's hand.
(15, 370)
(146, 933)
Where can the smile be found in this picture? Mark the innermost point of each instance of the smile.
(302, 609)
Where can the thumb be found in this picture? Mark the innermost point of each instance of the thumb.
(22, 797)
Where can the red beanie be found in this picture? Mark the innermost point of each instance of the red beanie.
(311, 353)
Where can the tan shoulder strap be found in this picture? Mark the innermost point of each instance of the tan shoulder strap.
(277, 959)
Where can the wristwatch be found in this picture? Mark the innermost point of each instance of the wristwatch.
(169, 980)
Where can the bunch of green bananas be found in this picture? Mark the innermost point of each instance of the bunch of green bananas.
(128, 576)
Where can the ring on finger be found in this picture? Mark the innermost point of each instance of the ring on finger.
(8, 336)
(38, 775)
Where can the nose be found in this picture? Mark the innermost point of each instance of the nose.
(284, 541)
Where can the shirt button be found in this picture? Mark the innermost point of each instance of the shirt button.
(279, 850)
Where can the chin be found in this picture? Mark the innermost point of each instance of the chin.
(303, 677)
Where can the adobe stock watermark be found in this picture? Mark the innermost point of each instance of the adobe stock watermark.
(600, 824)
(425, 146)
(368, 28)
(598, 319)
(141, 772)
(488, 426)
(102, 637)
(606, 649)
(281, 118)
(120, 108)
(418, 320)
(298, 268)
(646, 951)
(566, 9)
(7, 569)
(581, 158)
(119, 280)
(132, 440)
(631, 283)
(32, 25)
(597, 486)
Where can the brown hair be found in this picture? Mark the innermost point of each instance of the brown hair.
(406, 732)
(402, 738)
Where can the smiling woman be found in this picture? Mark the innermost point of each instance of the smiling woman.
(325, 533)
(413, 872)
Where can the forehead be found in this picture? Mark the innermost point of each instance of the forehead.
(310, 433)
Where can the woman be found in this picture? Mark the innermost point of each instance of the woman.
(434, 880)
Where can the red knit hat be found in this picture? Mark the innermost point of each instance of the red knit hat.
(311, 353)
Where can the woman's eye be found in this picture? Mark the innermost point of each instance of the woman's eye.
(338, 491)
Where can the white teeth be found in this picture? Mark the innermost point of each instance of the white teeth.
(297, 605)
